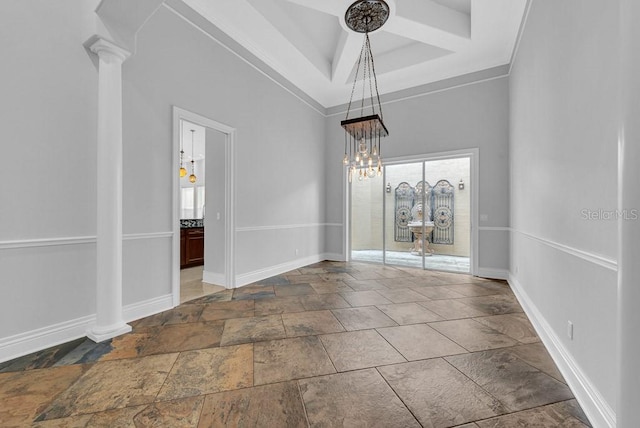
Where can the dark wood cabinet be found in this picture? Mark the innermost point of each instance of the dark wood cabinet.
(191, 247)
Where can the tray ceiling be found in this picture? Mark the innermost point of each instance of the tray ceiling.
(424, 41)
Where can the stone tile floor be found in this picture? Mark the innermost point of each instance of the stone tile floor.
(331, 344)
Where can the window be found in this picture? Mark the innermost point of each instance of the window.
(192, 202)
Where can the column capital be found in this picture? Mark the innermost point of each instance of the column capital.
(102, 46)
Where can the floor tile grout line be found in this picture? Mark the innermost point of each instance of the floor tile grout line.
(304, 405)
(451, 339)
(391, 344)
(327, 353)
(204, 401)
(398, 395)
(55, 397)
(478, 385)
(253, 365)
(164, 382)
(527, 363)
(524, 410)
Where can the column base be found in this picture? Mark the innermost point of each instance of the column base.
(100, 334)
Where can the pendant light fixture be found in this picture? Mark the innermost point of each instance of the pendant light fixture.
(192, 177)
(362, 134)
(183, 170)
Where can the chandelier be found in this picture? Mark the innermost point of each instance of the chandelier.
(362, 134)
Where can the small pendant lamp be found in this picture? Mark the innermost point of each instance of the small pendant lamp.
(192, 177)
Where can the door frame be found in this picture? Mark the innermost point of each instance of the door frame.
(180, 114)
(472, 153)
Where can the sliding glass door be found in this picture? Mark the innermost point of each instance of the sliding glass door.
(366, 224)
(418, 215)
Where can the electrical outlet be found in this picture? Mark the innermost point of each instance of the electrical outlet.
(296, 251)
(570, 329)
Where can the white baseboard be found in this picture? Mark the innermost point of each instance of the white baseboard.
(598, 411)
(36, 340)
(493, 273)
(135, 311)
(257, 275)
(214, 278)
(42, 338)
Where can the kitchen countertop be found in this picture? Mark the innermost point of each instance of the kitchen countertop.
(191, 223)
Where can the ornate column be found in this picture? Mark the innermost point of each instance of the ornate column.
(627, 414)
(109, 192)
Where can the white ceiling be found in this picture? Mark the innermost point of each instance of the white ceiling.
(424, 41)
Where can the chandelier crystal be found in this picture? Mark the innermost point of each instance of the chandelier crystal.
(362, 134)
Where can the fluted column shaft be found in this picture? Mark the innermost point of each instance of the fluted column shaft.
(109, 192)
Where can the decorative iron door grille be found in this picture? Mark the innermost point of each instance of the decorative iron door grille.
(442, 204)
(405, 197)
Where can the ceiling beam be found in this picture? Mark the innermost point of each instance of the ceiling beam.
(347, 51)
(432, 14)
(429, 22)
(331, 7)
(273, 13)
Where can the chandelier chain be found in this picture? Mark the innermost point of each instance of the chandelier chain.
(364, 77)
(375, 80)
(355, 80)
(372, 71)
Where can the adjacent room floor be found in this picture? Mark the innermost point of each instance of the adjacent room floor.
(192, 287)
(332, 344)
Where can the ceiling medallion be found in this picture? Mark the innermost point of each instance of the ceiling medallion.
(365, 16)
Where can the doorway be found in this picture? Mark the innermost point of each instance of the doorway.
(203, 206)
(417, 214)
(193, 154)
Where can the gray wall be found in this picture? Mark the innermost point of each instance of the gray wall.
(49, 111)
(563, 158)
(48, 88)
(470, 116)
(279, 146)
